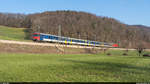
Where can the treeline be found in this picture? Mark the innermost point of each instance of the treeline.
(80, 25)
(12, 20)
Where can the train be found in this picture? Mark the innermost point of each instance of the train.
(41, 37)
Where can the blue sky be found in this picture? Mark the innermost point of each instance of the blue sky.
(127, 11)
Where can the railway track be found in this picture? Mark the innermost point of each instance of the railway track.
(42, 44)
(55, 44)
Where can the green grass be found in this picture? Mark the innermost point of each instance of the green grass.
(9, 33)
(74, 68)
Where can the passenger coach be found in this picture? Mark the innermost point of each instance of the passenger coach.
(59, 39)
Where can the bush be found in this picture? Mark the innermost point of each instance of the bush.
(125, 54)
(108, 54)
(146, 55)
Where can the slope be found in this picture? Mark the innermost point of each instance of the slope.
(10, 33)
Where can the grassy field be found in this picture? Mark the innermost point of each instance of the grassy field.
(8, 33)
(74, 68)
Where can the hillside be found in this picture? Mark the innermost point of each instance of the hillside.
(89, 26)
(11, 33)
(80, 25)
(141, 26)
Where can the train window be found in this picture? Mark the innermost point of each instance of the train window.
(53, 37)
(92, 43)
(47, 37)
(42, 35)
(63, 39)
(56, 38)
(68, 39)
(97, 43)
(75, 40)
(72, 40)
(50, 37)
(82, 41)
(79, 41)
(36, 35)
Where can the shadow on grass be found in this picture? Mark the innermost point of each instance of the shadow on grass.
(146, 57)
(108, 66)
(28, 35)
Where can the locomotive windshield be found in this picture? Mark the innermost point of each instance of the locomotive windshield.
(35, 34)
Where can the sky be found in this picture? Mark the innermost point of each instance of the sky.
(132, 12)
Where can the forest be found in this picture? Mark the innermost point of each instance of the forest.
(80, 25)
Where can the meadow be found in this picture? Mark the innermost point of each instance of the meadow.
(11, 33)
(74, 68)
